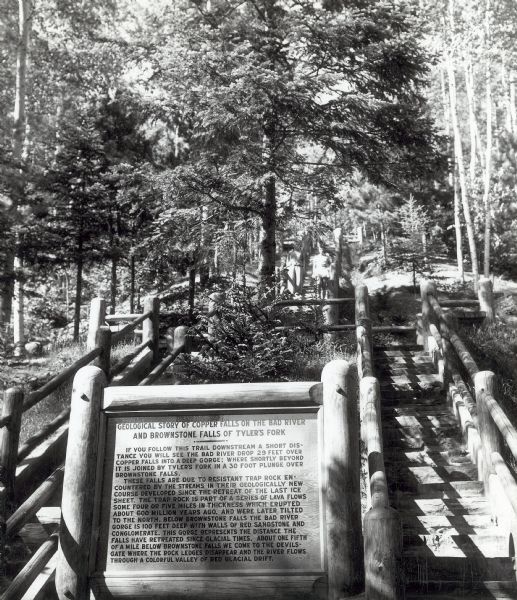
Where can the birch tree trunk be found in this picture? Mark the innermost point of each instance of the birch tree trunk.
(473, 126)
(458, 154)
(488, 159)
(457, 225)
(13, 290)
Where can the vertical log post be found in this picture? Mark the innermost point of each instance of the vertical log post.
(426, 288)
(363, 332)
(216, 299)
(486, 298)
(383, 554)
(484, 383)
(97, 319)
(342, 466)
(181, 338)
(79, 480)
(9, 438)
(151, 326)
(291, 279)
(382, 525)
(331, 311)
(103, 341)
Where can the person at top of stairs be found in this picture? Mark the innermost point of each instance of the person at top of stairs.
(321, 263)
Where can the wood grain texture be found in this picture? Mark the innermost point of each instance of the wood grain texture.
(225, 395)
(9, 438)
(491, 440)
(97, 318)
(136, 370)
(342, 466)
(383, 555)
(78, 485)
(270, 587)
(22, 582)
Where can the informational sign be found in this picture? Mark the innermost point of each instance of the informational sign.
(213, 492)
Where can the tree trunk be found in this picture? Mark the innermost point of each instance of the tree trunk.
(113, 284)
(191, 294)
(78, 286)
(18, 310)
(268, 242)
(458, 152)
(18, 140)
(488, 159)
(473, 126)
(457, 226)
(132, 283)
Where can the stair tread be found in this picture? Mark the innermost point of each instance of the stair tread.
(425, 421)
(439, 474)
(481, 590)
(445, 545)
(447, 523)
(422, 457)
(408, 504)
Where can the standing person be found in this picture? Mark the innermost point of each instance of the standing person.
(321, 272)
(294, 269)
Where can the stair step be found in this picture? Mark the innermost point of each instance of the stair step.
(445, 545)
(407, 504)
(460, 524)
(467, 567)
(394, 369)
(481, 590)
(395, 397)
(398, 347)
(422, 457)
(429, 421)
(444, 490)
(418, 437)
(390, 357)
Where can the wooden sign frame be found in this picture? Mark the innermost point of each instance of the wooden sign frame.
(339, 567)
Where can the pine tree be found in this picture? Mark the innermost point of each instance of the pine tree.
(266, 85)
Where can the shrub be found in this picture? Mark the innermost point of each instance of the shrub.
(244, 345)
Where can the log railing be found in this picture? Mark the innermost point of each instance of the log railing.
(13, 518)
(382, 528)
(490, 435)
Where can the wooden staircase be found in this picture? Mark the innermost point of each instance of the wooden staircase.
(452, 545)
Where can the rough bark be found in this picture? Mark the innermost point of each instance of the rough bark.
(268, 242)
(78, 285)
(132, 283)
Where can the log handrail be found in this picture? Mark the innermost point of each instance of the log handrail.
(34, 397)
(124, 362)
(313, 302)
(130, 327)
(431, 306)
(382, 525)
(489, 418)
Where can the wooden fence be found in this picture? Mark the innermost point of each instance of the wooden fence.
(22, 467)
(382, 528)
(472, 393)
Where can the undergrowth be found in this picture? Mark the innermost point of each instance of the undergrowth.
(494, 347)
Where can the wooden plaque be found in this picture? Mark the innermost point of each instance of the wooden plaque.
(195, 500)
